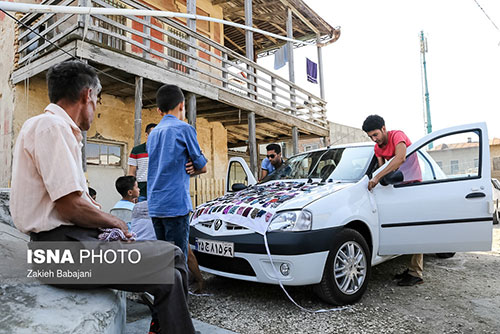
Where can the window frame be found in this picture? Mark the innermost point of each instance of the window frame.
(478, 132)
(99, 142)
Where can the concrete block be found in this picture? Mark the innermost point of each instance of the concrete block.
(40, 309)
(4, 207)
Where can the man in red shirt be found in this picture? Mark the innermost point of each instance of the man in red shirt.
(392, 145)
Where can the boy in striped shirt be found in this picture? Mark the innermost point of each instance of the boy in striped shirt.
(138, 164)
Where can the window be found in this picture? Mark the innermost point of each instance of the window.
(236, 174)
(177, 42)
(449, 157)
(454, 167)
(310, 147)
(104, 154)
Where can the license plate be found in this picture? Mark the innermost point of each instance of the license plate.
(213, 247)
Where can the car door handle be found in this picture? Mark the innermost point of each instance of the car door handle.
(475, 195)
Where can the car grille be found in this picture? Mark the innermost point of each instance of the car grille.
(229, 226)
(207, 224)
(232, 265)
(232, 227)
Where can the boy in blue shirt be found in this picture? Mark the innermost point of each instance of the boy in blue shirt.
(171, 146)
(128, 188)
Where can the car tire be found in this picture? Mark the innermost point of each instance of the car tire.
(349, 285)
(445, 255)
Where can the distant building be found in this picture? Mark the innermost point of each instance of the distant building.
(461, 158)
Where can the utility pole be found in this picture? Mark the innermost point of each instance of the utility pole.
(427, 115)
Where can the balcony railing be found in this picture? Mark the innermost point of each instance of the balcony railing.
(170, 45)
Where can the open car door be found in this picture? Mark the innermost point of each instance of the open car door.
(239, 175)
(444, 203)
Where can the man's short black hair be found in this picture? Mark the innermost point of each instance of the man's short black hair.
(66, 80)
(274, 147)
(373, 122)
(168, 97)
(150, 126)
(125, 183)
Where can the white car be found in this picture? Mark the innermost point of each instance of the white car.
(325, 228)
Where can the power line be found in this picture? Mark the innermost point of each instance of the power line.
(489, 18)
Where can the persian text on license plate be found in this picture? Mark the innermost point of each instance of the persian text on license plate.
(220, 248)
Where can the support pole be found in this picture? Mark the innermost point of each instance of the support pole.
(320, 70)
(252, 144)
(191, 23)
(138, 110)
(252, 139)
(191, 108)
(84, 144)
(289, 34)
(249, 41)
(291, 77)
(295, 140)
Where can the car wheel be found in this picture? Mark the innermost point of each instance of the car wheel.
(445, 255)
(347, 269)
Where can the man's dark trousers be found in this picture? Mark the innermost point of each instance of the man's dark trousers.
(170, 299)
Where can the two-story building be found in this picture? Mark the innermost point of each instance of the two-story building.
(231, 100)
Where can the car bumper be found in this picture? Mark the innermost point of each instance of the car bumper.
(305, 253)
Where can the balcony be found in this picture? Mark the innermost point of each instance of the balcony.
(163, 50)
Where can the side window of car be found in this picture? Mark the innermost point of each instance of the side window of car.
(237, 174)
(451, 157)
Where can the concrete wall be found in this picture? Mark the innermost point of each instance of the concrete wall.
(114, 123)
(463, 156)
(343, 134)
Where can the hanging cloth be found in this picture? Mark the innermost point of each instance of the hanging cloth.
(281, 57)
(312, 71)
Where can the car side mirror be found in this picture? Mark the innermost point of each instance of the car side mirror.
(392, 178)
(238, 187)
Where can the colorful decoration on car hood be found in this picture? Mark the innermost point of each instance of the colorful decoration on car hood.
(253, 207)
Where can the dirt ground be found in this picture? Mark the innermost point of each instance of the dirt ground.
(460, 295)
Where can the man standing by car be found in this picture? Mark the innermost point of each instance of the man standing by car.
(392, 145)
(171, 146)
(138, 164)
(272, 161)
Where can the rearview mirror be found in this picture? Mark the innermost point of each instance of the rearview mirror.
(392, 178)
(238, 187)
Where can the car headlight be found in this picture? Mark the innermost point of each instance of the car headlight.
(291, 221)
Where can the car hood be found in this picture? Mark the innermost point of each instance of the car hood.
(255, 206)
(307, 196)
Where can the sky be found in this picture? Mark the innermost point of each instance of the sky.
(375, 67)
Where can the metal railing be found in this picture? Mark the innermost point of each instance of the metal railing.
(171, 45)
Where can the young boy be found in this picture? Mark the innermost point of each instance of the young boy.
(128, 187)
(171, 146)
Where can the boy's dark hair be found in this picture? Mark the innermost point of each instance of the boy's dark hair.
(125, 183)
(274, 147)
(373, 122)
(92, 192)
(150, 126)
(66, 80)
(168, 97)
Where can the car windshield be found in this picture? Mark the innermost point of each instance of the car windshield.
(341, 164)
